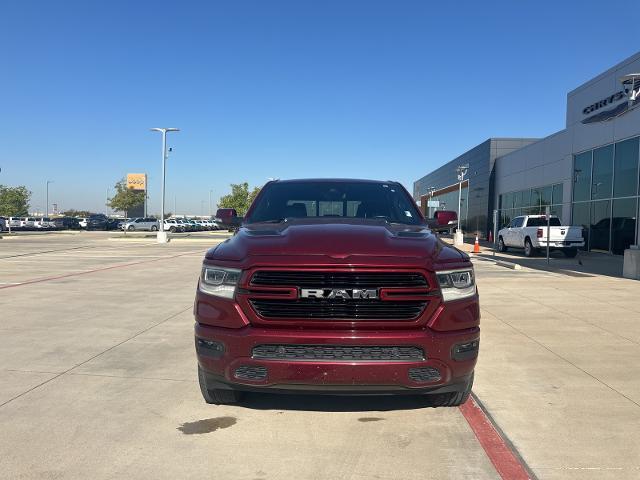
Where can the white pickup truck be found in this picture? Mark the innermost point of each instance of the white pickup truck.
(530, 232)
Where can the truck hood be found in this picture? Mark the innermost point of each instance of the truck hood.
(336, 239)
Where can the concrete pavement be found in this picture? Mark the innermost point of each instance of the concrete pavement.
(97, 380)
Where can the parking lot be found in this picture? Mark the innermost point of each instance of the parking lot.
(98, 379)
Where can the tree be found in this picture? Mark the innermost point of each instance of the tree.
(240, 198)
(14, 201)
(125, 198)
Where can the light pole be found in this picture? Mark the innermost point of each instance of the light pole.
(106, 203)
(47, 212)
(162, 235)
(210, 207)
(462, 171)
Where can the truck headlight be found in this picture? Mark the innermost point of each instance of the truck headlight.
(219, 281)
(456, 284)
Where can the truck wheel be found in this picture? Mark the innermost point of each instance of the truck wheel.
(131, 228)
(216, 396)
(154, 228)
(529, 251)
(501, 246)
(172, 229)
(453, 399)
(570, 252)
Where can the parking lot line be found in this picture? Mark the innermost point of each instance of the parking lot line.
(85, 272)
(507, 462)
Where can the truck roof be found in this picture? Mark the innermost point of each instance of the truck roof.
(345, 180)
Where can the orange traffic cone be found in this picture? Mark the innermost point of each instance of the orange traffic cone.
(476, 246)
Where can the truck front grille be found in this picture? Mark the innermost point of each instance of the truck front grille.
(323, 279)
(313, 308)
(348, 353)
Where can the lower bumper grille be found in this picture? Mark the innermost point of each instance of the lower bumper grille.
(247, 372)
(351, 309)
(424, 374)
(338, 353)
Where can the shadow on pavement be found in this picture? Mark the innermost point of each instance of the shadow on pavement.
(586, 264)
(334, 403)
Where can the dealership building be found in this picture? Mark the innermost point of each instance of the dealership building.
(587, 173)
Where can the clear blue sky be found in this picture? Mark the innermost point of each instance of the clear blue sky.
(372, 89)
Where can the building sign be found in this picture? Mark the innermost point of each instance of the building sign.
(629, 94)
(433, 203)
(137, 181)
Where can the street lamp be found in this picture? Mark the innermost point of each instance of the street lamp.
(162, 235)
(48, 182)
(210, 207)
(106, 203)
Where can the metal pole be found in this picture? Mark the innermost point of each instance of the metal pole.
(46, 214)
(548, 213)
(106, 203)
(164, 161)
(175, 211)
(460, 201)
(495, 230)
(210, 208)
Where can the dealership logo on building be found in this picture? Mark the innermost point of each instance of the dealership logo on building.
(630, 91)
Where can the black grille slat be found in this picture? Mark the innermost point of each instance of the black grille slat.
(338, 353)
(349, 309)
(306, 279)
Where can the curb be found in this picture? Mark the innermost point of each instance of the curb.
(512, 266)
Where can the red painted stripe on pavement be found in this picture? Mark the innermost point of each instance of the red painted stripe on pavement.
(504, 459)
(84, 272)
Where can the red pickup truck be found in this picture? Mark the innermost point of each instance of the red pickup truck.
(336, 286)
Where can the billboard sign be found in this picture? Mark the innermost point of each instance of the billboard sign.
(137, 181)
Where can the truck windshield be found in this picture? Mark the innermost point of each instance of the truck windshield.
(542, 222)
(314, 199)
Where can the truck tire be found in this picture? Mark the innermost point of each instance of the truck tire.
(453, 399)
(154, 228)
(172, 229)
(570, 252)
(216, 396)
(131, 228)
(529, 251)
(501, 246)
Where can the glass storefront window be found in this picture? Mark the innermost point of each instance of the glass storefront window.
(581, 216)
(582, 177)
(557, 193)
(623, 224)
(545, 195)
(602, 173)
(600, 225)
(626, 168)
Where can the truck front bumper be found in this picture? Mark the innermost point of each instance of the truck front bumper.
(228, 360)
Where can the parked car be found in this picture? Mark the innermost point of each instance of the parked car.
(226, 218)
(27, 223)
(336, 300)
(142, 224)
(43, 223)
(443, 221)
(98, 221)
(14, 222)
(529, 232)
(66, 223)
(172, 225)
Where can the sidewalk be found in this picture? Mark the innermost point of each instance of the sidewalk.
(559, 369)
(586, 263)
